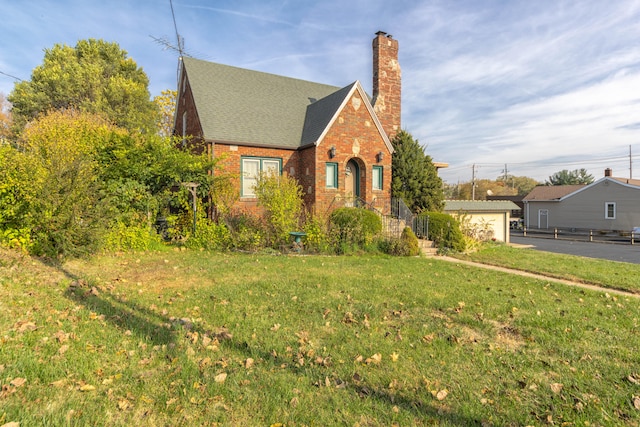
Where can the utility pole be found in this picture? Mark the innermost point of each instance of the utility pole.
(630, 164)
(473, 182)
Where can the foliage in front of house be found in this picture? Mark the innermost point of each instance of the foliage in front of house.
(354, 227)
(415, 178)
(444, 231)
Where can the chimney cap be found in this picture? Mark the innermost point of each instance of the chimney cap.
(381, 33)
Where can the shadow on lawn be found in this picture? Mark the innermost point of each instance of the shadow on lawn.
(159, 329)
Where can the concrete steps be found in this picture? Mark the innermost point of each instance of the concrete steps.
(427, 248)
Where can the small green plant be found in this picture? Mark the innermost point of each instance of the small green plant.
(405, 245)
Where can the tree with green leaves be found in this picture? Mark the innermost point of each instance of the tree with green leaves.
(415, 178)
(5, 119)
(94, 77)
(566, 177)
(166, 104)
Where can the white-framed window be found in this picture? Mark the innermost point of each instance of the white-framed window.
(332, 175)
(376, 175)
(252, 167)
(610, 210)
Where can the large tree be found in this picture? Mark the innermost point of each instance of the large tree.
(566, 177)
(5, 119)
(96, 77)
(415, 178)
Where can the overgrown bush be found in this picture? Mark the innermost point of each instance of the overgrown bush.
(123, 237)
(247, 231)
(318, 237)
(354, 228)
(210, 236)
(281, 198)
(444, 231)
(405, 245)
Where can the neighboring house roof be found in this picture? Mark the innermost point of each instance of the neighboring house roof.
(479, 205)
(246, 107)
(560, 192)
(629, 181)
(551, 192)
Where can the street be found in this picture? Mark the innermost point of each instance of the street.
(614, 252)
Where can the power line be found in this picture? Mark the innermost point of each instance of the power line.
(9, 75)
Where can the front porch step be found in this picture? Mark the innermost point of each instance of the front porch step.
(427, 248)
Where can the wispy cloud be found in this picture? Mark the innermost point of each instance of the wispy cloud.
(538, 85)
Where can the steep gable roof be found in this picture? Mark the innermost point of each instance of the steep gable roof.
(246, 107)
(551, 192)
(321, 114)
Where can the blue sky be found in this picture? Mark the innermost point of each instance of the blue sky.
(540, 85)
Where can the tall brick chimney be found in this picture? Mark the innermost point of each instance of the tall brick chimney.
(386, 82)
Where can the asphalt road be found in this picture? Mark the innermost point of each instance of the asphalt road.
(610, 251)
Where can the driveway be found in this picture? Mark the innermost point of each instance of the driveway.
(610, 251)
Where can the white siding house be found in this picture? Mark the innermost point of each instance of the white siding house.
(484, 215)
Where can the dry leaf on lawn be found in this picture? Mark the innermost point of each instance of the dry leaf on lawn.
(556, 387)
(220, 378)
(17, 382)
(442, 394)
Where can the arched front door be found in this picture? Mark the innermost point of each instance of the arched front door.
(352, 180)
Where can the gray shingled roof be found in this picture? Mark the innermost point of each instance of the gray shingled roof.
(551, 192)
(479, 205)
(251, 107)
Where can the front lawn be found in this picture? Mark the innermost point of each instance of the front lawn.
(608, 274)
(193, 338)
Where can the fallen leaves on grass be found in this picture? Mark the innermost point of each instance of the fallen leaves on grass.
(220, 378)
(24, 326)
(374, 359)
(634, 379)
(442, 394)
(87, 387)
(636, 402)
(18, 382)
(556, 387)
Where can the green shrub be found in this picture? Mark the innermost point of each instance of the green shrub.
(210, 236)
(247, 231)
(318, 237)
(123, 237)
(281, 198)
(355, 227)
(444, 231)
(406, 245)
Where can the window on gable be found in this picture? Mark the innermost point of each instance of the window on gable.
(332, 175)
(252, 167)
(610, 210)
(377, 177)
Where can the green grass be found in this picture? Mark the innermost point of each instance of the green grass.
(192, 338)
(609, 274)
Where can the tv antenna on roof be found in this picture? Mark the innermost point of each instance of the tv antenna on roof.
(179, 39)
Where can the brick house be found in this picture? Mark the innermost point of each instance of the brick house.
(335, 141)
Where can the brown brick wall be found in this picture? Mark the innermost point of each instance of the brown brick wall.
(355, 136)
(387, 83)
